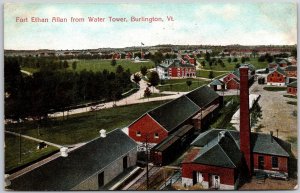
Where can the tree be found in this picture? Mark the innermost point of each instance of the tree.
(235, 59)
(74, 65)
(65, 64)
(157, 57)
(237, 65)
(154, 79)
(119, 69)
(211, 75)
(243, 60)
(207, 56)
(113, 62)
(189, 83)
(203, 63)
(229, 60)
(294, 52)
(136, 78)
(147, 93)
(144, 70)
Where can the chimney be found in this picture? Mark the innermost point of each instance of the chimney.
(245, 132)
(64, 152)
(102, 133)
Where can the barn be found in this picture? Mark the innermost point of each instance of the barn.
(157, 124)
(276, 77)
(89, 167)
(219, 157)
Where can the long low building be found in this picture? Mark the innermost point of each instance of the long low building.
(89, 167)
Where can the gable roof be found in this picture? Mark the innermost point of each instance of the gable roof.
(291, 68)
(260, 142)
(202, 96)
(223, 147)
(279, 70)
(64, 173)
(293, 84)
(171, 114)
(217, 82)
(175, 63)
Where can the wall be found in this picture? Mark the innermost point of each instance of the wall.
(148, 127)
(229, 77)
(282, 163)
(227, 175)
(182, 72)
(275, 77)
(232, 84)
(292, 90)
(110, 172)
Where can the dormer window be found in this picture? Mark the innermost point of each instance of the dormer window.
(138, 134)
(156, 135)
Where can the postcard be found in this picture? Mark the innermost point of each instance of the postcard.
(150, 96)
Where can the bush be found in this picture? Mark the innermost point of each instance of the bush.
(274, 88)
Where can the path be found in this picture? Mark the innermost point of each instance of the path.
(34, 139)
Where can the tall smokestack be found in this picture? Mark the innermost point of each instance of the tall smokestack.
(245, 132)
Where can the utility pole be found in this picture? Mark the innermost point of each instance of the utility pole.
(20, 151)
(147, 162)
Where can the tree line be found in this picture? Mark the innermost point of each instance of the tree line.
(47, 90)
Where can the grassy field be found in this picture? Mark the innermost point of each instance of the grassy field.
(205, 74)
(179, 85)
(85, 126)
(99, 65)
(29, 152)
(231, 66)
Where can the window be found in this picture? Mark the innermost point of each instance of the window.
(138, 133)
(156, 135)
(274, 162)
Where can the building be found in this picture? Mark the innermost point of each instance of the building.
(292, 88)
(219, 158)
(192, 61)
(291, 71)
(283, 63)
(176, 68)
(88, 167)
(276, 77)
(157, 124)
(217, 84)
(232, 80)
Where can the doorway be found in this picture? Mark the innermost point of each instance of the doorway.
(125, 164)
(261, 162)
(215, 181)
(101, 179)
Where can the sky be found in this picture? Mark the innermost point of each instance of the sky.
(194, 23)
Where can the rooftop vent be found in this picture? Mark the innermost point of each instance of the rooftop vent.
(64, 151)
(7, 182)
(221, 134)
(102, 133)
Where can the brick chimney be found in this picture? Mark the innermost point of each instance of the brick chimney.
(245, 130)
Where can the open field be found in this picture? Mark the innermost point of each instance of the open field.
(99, 65)
(180, 85)
(205, 74)
(29, 152)
(85, 126)
(230, 66)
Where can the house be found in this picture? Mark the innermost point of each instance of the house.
(176, 68)
(217, 84)
(88, 167)
(276, 77)
(190, 60)
(220, 158)
(291, 71)
(157, 124)
(128, 56)
(283, 63)
(272, 66)
(292, 88)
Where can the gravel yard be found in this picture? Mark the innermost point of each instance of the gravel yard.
(277, 114)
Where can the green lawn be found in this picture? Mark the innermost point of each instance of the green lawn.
(85, 126)
(29, 152)
(100, 65)
(231, 66)
(205, 74)
(274, 88)
(180, 85)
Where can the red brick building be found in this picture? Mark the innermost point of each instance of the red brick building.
(291, 71)
(292, 88)
(276, 77)
(176, 68)
(219, 157)
(157, 124)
